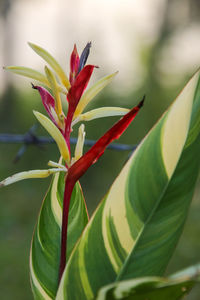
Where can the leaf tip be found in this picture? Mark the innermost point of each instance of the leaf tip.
(1, 184)
(33, 86)
(36, 113)
(7, 68)
(31, 45)
(141, 103)
(46, 69)
(89, 44)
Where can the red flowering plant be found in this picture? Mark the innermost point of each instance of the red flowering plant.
(73, 257)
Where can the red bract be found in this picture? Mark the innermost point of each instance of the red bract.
(74, 96)
(80, 85)
(81, 166)
(90, 157)
(74, 65)
(48, 102)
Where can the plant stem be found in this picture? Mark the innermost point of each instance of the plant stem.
(68, 122)
(69, 185)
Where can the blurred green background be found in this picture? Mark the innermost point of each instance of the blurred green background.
(156, 63)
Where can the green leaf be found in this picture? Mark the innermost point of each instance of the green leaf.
(134, 231)
(152, 288)
(45, 248)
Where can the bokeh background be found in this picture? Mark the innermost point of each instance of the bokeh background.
(155, 44)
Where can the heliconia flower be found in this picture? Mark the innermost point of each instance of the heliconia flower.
(74, 89)
(79, 165)
(60, 126)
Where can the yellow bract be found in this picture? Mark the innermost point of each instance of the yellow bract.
(115, 208)
(56, 135)
(30, 174)
(100, 113)
(28, 72)
(54, 87)
(92, 92)
(53, 63)
(176, 126)
(80, 143)
(55, 164)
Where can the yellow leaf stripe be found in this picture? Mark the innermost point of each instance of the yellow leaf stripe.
(176, 126)
(55, 205)
(35, 283)
(174, 132)
(115, 208)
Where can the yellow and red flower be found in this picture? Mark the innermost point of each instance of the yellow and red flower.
(59, 126)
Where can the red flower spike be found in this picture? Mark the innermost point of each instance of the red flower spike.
(48, 101)
(81, 166)
(74, 96)
(74, 65)
(80, 85)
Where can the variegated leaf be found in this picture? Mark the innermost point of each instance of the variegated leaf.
(152, 288)
(45, 248)
(134, 231)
